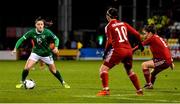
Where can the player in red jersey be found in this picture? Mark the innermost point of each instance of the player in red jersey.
(121, 51)
(162, 58)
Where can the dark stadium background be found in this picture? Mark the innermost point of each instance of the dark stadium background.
(86, 14)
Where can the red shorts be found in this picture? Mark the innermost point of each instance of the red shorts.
(161, 63)
(123, 55)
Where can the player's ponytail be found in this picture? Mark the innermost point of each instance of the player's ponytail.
(48, 23)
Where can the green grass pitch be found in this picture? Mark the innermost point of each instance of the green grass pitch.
(83, 77)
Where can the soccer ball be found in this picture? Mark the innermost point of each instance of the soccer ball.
(29, 84)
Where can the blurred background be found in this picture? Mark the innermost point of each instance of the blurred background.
(79, 24)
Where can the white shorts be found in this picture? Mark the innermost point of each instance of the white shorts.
(47, 59)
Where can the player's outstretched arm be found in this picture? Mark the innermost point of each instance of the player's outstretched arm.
(18, 43)
(139, 46)
(135, 48)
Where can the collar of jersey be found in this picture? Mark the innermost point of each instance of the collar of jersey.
(38, 32)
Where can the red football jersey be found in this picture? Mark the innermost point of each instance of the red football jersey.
(158, 47)
(116, 33)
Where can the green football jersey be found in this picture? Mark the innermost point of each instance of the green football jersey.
(41, 41)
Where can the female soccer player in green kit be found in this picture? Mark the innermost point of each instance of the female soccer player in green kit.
(41, 50)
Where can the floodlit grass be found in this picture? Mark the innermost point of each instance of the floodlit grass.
(83, 77)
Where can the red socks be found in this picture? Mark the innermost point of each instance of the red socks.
(147, 75)
(104, 79)
(134, 79)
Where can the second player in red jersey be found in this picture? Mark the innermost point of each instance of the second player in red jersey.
(118, 49)
(162, 58)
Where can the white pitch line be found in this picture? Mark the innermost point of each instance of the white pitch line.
(137, 99)
(125, 97)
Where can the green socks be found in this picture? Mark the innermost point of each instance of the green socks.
(24, 74)
(58, 76)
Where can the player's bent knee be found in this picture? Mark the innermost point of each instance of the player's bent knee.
(144, 65)
(104, 69)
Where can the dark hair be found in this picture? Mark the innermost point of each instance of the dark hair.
(46, 23)
(150, 28)
(112, 13)
(39, 19)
